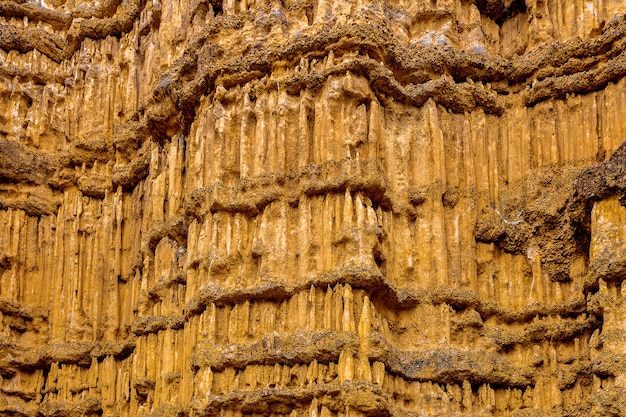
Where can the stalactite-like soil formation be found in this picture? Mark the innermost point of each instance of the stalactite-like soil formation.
(316, 208)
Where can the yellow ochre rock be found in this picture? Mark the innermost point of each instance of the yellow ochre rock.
(318, 208)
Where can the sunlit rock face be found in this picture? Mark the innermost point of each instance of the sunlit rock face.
(313, 208)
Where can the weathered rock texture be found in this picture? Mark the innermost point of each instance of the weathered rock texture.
(313, 208)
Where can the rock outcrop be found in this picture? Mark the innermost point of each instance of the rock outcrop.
(313, 208)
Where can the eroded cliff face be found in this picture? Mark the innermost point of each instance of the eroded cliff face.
(312, 208)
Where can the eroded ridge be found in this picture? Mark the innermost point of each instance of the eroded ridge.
(312, 208)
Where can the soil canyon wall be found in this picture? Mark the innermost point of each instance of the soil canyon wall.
(312, 208)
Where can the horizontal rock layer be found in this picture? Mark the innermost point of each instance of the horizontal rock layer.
(312, 208)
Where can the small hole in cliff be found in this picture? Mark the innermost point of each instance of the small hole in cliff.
(293, 381)
(310, 14)
(379, 258)
(217, 7)
(142, 398)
